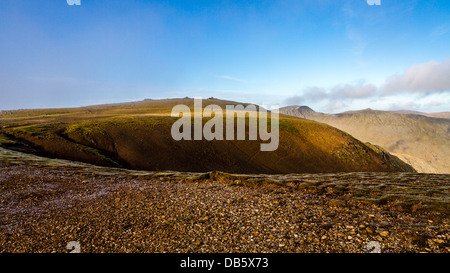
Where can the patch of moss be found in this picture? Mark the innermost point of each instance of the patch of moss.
(5, 140)
(43, 132)
(84, 130)
(96, 153)
(287, 126)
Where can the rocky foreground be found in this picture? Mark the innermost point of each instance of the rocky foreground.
(45, 204)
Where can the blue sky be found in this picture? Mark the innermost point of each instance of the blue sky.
(331, 55)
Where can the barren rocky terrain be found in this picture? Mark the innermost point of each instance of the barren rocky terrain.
(46, 203)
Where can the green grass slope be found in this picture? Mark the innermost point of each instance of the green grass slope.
(138, 136)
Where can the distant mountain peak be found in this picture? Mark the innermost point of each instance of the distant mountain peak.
(419, 139)
(305, 108)
(300, 111)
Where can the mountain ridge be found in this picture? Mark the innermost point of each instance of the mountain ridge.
(417, 139)
(137, 135)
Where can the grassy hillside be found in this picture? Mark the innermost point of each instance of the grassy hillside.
(419, 140)
(137, 136)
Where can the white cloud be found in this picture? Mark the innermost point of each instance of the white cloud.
(419, 87)
(353, 91)
(429, 77)
(349, 91)
(334, 106)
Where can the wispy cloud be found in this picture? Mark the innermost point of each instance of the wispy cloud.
(359, 43)
(440, 30)
(225, 77)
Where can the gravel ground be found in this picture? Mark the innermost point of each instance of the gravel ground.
(43, 208)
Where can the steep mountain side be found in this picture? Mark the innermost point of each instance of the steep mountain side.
(421, 141)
